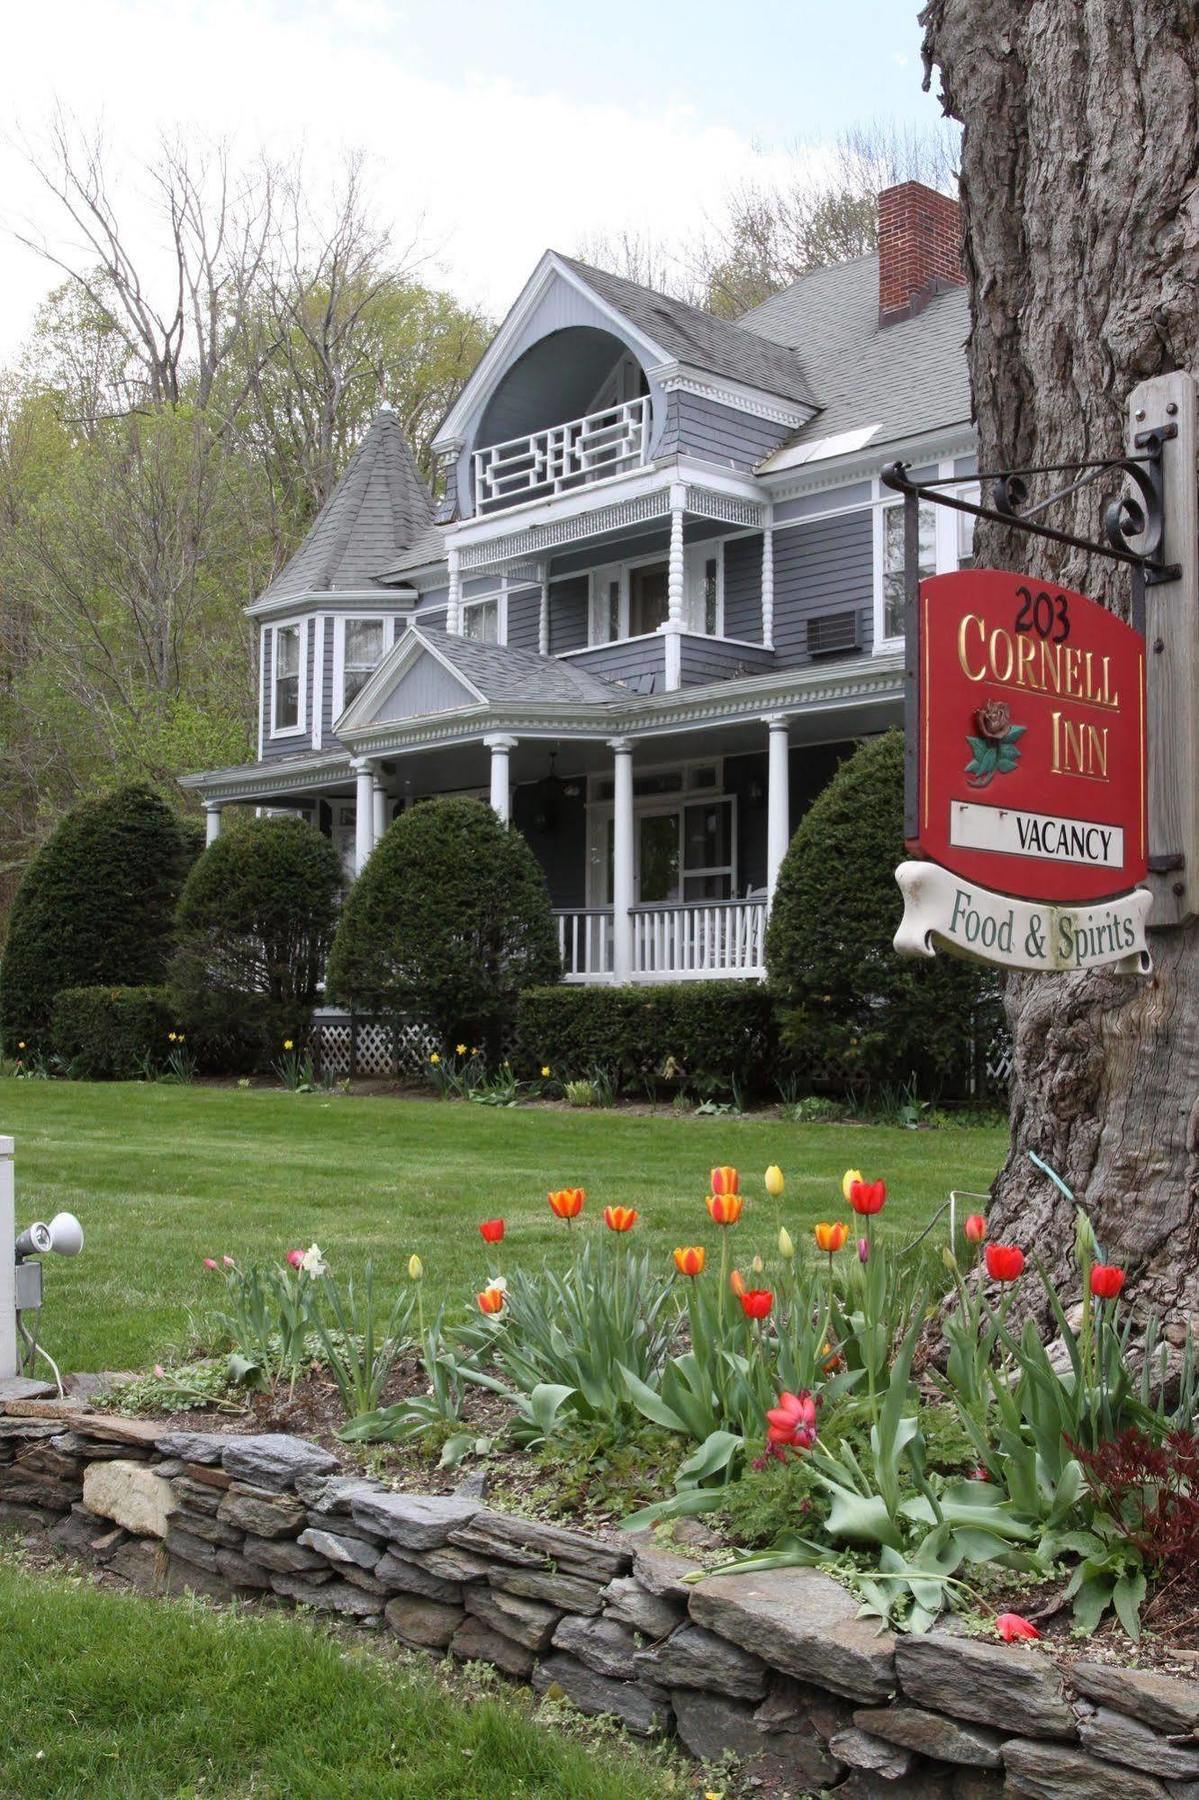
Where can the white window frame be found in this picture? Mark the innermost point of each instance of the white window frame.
(388, 621)
(300, 627)
(497, 598)
(945, 551)
(694, 558)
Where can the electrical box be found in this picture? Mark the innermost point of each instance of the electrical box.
(29, 1286)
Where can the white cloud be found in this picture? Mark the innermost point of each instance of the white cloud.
(497, 174)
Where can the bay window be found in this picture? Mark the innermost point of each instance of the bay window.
(286, 696)
(363, 652)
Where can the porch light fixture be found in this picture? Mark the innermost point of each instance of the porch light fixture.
(549, 796)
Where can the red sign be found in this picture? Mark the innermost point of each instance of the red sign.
(1030, 738)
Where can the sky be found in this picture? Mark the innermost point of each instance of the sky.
(493, 128)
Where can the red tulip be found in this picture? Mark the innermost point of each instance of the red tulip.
(725, 1209)
(567, 1203)
(491, 1230)
(490, 1300)
(1004, 1262)
(868, 1196)
(1011, 1626)
(756, 1302)
(689, 1259)
(725, 1181)
(792, 1422)
(975, 1228)
(294, 1259)
(1106, 1281)
(620, 1218)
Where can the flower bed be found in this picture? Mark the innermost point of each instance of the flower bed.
(774, 1666)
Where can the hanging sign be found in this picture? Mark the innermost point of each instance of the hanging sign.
(1030, 776)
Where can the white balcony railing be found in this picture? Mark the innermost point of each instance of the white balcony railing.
(563, 457)
(682, 941)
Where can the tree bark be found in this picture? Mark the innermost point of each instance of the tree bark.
(1080, 199)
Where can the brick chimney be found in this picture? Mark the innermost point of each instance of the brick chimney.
(919, 249)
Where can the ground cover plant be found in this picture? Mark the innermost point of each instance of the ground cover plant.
(268, 1706)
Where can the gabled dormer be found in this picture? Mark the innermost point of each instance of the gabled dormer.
(327, 620)
(591, 377)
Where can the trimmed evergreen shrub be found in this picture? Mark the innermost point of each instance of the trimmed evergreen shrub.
(254, 926)
(96, 907)
(709, 1036)
(449, 921)
(111, 1033)
(853, 1014)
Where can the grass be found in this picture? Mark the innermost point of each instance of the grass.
(107, 1696)
(162, 1176)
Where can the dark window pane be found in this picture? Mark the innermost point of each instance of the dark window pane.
(647, 598)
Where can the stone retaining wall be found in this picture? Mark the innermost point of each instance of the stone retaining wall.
(775, 1668)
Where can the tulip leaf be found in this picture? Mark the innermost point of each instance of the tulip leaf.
(650, 1404)
(861, 1518)
(1127, 1596)
(715, 1454)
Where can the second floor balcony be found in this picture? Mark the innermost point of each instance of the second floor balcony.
(563, 458)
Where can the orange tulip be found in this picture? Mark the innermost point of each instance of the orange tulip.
(567, 1203)
(689, 1259)
(490, 1300)
(725, 1181)
(725, 1209)
(620, 1218)
(831, 1237)
(737, 1283)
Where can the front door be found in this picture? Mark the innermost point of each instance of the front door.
(684, 850)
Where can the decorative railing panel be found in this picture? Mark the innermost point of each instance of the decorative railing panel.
(585, 942)
(563, 457)
(707, 938)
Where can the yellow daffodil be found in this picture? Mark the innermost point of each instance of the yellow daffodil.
(847, 1181)
(774, 1181)
(545, 1069)
(289, 1043)
(459, 1049)
(435, 1059)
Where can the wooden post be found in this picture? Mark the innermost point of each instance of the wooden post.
(1172, 655)
(8, 1267)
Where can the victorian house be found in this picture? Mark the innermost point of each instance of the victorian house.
(656, 601)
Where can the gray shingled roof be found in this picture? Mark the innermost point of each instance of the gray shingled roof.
(907, 377)
(701, 341)
(428, 548)
(505, 674)
(377, 509)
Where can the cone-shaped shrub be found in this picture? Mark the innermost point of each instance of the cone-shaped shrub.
(853, 1014)
(254, 927)
(449, 921)
(95, 908)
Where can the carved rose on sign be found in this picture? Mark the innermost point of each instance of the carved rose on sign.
(995, 751)
(993, 720)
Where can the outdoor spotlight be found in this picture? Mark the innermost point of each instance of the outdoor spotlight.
(63, 1235)
(35, 1240)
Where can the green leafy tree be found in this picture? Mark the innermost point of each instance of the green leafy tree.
(254, 926)
(853, 1013)
(449, 921)
(96, 907)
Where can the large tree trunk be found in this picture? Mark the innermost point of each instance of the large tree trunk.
(1080, 196)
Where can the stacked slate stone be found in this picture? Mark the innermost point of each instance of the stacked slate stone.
(775, 1668)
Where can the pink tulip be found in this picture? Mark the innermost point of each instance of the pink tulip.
(295, 1259)
(210, 1263)
(228, 1262)
(864, 1250)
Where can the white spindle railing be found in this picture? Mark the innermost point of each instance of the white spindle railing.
(562, 457)
(679, 942)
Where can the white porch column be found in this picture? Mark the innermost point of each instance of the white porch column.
(453, 614)
(778, 802)
(378, 807)
(501, 798)
(8, 1278)
(675, 583)
(768, 587)
(212, 821)
(543, 617)
(364, 811)
(622, 859)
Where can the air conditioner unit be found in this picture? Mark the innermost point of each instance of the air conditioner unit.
(832, 634)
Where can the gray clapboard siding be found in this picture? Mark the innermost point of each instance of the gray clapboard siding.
(429, 602)
(743, 588)
(639, 662)
(327, 703)
(568, 615)
(427, 687)
(721, 433)
(857, 493)
(524, 618)
(824, 567)
(704, 659)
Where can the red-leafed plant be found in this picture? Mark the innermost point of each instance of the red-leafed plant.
(1150, 1493)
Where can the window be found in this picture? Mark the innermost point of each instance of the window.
(363, 654)
(965, 528)
(703, 601)
(893, 569)
(647, 598)
(633, 599)
(285, 697)
(481, 621)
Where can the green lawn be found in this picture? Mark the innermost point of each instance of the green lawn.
(107, 1696)
(162, 1176)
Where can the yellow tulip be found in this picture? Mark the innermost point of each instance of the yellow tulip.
(774, 1181)
(416, 1267)
(786, 1246)
(847, 1181)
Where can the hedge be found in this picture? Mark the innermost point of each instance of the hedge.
(254, 927)
(448, 922)
(710, 1037)
(854, 1015)
(95, 908)
(111, 1033)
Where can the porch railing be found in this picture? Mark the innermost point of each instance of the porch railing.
(683, 941)
(563, 457)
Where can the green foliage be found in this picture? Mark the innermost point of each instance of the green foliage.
(852, 1013)
(449, 921)
(714, 1036)
(95, 908)
(111, 1033)
(254, 925)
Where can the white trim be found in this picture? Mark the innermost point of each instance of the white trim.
(318, 683)
(945, 552)
(388, 622)
(684, 378)
(944, 442)
(395, 664)
(300, 627)
(290, 605)
(263, 687)
(498, 598)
